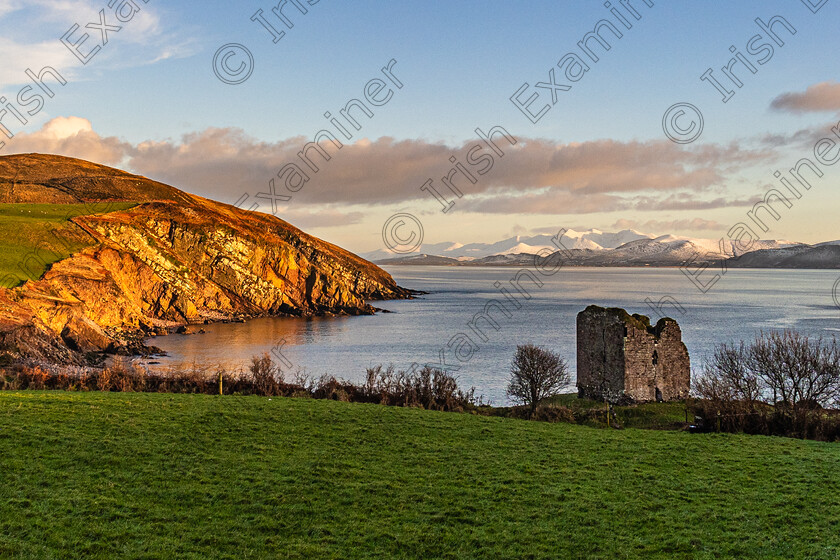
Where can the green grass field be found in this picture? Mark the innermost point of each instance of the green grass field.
(34, 236)
(121, 475)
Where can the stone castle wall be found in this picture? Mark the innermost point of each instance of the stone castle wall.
(620, 356)
(674, 369)
(600, 354)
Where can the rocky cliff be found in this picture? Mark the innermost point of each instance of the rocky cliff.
(171, 260)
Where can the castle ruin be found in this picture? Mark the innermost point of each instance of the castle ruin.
(621, 357)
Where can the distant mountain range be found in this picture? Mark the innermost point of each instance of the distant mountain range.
(623, 248)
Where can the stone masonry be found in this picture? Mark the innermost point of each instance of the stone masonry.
(621, 357)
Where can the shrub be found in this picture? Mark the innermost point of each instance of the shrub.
(554, 413)
(428, 388)
(267, 378)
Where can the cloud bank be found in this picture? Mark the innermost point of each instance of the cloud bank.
(536, 176)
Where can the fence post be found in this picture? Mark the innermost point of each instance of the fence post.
(221, 386)
(718, 420)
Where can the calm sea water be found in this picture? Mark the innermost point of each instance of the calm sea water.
(740, 305)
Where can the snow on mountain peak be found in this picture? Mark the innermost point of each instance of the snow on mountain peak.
(593, 240)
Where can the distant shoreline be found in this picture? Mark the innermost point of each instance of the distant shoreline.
(520, 264)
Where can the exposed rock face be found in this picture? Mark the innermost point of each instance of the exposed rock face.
(622, 357)
(173, 259)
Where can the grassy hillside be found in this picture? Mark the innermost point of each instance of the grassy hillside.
(34, 236)
(106, 475)
(52, 179)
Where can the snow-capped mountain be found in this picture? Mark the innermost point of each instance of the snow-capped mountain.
(595, 246)
(593, 239)
(681, 249)
(598, 240)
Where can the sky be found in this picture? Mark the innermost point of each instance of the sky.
(153, 97)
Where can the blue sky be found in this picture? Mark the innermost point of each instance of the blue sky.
(150, 96)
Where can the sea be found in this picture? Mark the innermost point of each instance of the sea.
(430, 329)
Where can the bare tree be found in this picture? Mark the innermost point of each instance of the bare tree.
(535, 374)
(800, 371)
(778, 367)
(727, 377)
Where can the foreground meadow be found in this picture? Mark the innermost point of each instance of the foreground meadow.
(107, 475)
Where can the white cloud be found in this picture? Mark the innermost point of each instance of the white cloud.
(17, 57)
(32, 32)
(72, 137)
(62, 128)
(9, 6)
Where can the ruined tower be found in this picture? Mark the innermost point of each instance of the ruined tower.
(622, 357)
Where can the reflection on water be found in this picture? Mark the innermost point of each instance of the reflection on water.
(741, 304)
